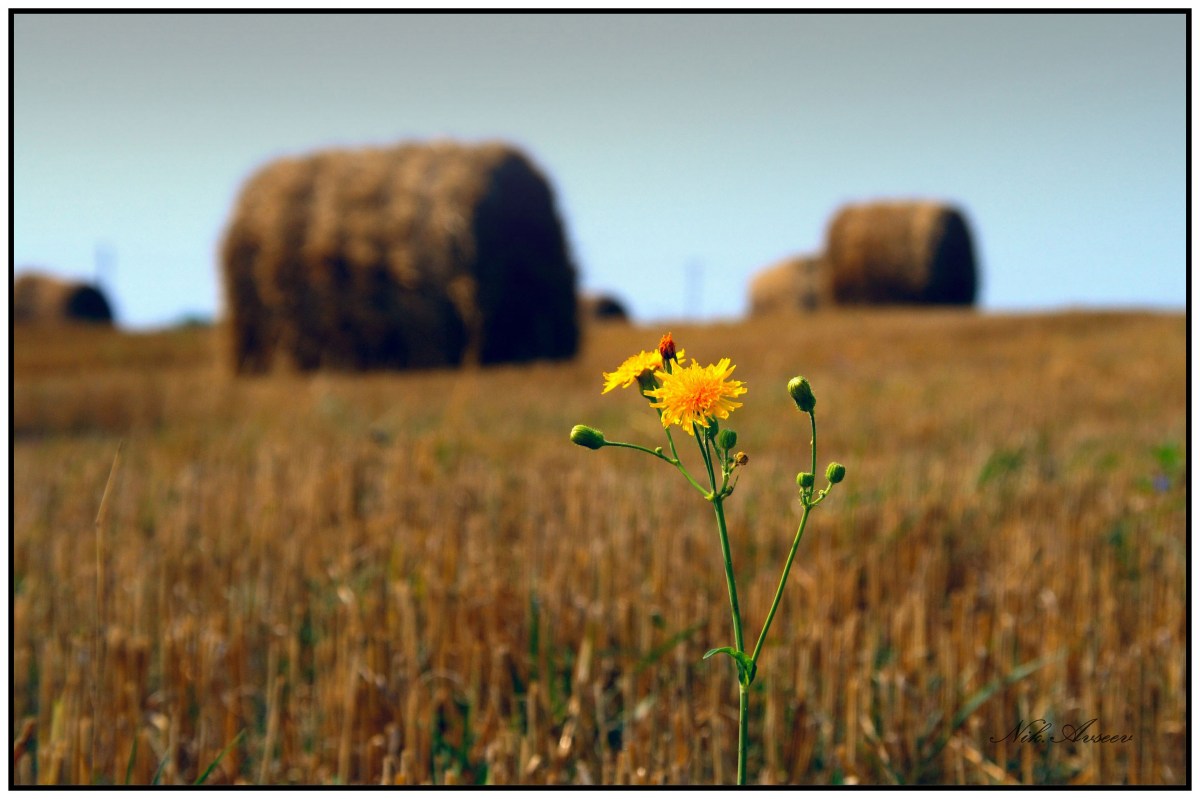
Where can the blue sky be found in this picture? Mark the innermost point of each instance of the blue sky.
(686, 151)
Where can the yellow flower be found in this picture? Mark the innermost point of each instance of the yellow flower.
(634, 367)
(692, 395)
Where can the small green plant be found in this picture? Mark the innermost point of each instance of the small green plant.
(697, 399)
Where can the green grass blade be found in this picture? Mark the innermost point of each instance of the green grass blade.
(158, 773)
(200, 780)
(132, 758)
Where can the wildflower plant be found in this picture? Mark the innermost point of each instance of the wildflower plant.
(698, 399)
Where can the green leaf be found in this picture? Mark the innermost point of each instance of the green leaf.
(746, 667)
(727, 649)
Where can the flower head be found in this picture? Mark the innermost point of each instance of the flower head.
(692, 395)
(644, 364)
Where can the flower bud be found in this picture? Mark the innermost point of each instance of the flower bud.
(666, 349)
(802, 393)
(647, 383)
(726, 439)
(588, 437)
(835, 473)
(804, 480)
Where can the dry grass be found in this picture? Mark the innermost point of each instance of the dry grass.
(418, 579)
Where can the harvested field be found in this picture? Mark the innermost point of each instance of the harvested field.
(415, 578)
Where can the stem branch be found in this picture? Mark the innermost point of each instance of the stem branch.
(787, 567)
(673, 461)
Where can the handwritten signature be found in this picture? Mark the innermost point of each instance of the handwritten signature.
(1041, 731)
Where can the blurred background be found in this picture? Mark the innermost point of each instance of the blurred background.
(686, 152)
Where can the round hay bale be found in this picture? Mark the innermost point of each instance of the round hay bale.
(39, 298)
(410, 256)
(901, 253)
(800, 283)
(603, 308)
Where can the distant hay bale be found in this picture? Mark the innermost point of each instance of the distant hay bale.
(42, 299)
(410, 256)
(800, 283)
(901, 253)
(602, 308)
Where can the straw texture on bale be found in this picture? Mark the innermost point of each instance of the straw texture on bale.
(411, 256)
(603, 308)
(40, 298)
(800, 283)
(901, 253)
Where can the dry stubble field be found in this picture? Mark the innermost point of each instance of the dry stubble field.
(418, 579)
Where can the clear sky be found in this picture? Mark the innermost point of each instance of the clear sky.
(686, 151)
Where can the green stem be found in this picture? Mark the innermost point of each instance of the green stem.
(743, 730)
(743, 706)
(673, 461)
(787, 567)
(812, 418)
(735, 610)
(670, 440)
(702, 442)
(729, 581)
(639, 448)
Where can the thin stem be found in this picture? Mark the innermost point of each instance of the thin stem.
(743, 731)
(676, 462)
(787, 567)
(639, 448)
(812, 418)
(673, 461)
(670, 440)
(702, 442)
(729, 581)
(735, 610)
(722, 531)
(690, 479)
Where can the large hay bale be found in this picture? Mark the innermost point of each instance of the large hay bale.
(39, 298)
(602, 308)
(901, 253)
(799, 283)
(410, 256)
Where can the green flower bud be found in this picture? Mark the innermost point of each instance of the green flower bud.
(588, 437)
(835, 473)
(646, 382)
(726, 439)
(804, 479)
(802, 393)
